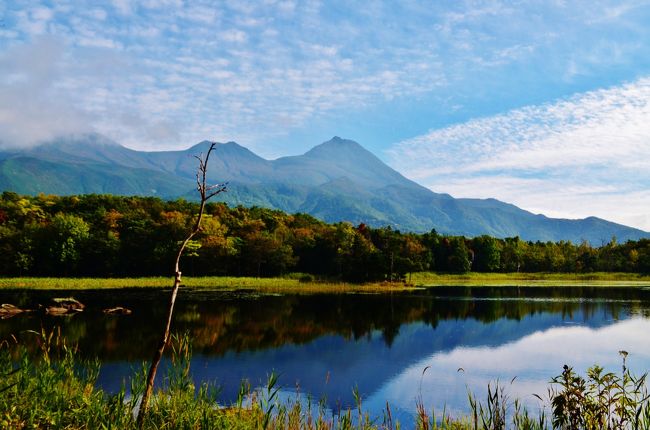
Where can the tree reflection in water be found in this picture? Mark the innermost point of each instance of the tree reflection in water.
(328, 343)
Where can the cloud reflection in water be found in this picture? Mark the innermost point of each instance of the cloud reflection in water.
(533, 360)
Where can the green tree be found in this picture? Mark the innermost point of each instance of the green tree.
(587, 258)
(68, 234)
(487, 254)
(413, 257)
(512, 254)
(458, 258)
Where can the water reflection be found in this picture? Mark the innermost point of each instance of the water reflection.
(327, 344)
(530, 360)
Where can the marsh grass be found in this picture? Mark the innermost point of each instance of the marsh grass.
(307, 284)
(474, 279)
(291, 284)
(54, 389)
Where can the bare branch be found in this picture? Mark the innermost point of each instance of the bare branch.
(206, 192)
(216, 189)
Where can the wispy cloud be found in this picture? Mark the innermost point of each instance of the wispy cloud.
(165, 74)
(30, 110)
(284, 64)
(237, 71)
(585, 155)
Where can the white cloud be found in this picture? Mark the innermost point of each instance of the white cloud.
(97, 42)
(201, 14)
(125, 7)
(42, 14)
(236, 36)
(162, 4)
(30, 110)
(34, 21)
(287, 7)
(98, 14)
(586, 155)
(257, 72)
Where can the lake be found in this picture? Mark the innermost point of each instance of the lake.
(325, 345)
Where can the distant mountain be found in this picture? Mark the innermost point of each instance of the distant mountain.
(337, 180)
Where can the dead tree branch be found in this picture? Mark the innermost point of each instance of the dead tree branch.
(206, 192)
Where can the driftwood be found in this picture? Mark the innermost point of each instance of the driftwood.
(62, 306)
(8, 310)
(65, 306)
(117, 310)
(69, 303)
(60, 311)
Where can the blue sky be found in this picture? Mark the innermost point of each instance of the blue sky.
(544, 104)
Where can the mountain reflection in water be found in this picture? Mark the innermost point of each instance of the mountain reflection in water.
(327, 344)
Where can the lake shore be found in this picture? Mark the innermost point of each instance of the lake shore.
(473, 279)
(298, 284)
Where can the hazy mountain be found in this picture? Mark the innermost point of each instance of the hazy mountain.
(336, 180)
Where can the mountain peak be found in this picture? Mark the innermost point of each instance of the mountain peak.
(206, 144)
(336, 140)
(338, 147)
(230, 159)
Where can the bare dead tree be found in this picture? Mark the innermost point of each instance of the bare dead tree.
(206, 192)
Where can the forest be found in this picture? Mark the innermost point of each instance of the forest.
(114, 236)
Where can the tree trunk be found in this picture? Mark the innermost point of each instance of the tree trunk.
(206, 193)
(157, 357)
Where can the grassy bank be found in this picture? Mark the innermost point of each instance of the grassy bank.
(473, 279)
(266, 285)
(306, 285)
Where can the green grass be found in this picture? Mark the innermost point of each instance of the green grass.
(473, 279)
(266, 285)
(294, 284)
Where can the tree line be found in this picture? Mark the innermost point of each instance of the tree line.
(106, 235)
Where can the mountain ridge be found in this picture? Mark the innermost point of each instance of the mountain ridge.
(337, 180)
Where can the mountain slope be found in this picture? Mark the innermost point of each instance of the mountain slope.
(31, 175)
(336, 180)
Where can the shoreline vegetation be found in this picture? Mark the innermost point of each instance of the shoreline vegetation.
(53, 389)
(301, 283)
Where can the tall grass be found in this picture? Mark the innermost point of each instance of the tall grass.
(292, 284)
(53, 389)
(475, 279)
(307, 284)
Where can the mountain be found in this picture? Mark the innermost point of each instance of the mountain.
(334, 181)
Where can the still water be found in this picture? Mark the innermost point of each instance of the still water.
(325, 345)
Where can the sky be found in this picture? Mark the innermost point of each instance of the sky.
(543, 104)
